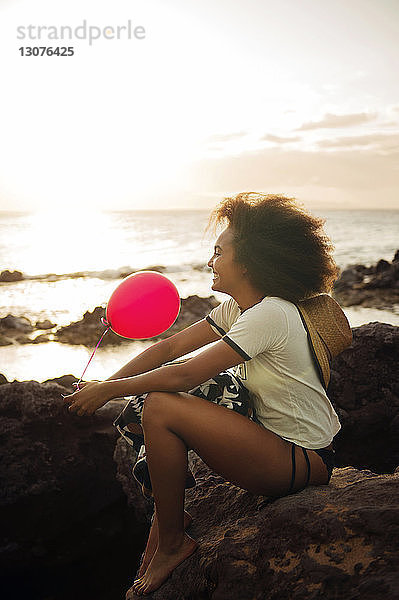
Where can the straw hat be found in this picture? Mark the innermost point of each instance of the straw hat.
(328, 331)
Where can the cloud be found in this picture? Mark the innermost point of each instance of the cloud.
(344, 178)
(331, 121)
(226, 137)
(280, 140)
(386, 142)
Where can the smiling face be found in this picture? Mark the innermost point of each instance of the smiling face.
(227, 273)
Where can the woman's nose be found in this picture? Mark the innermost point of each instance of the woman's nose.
(210, 262)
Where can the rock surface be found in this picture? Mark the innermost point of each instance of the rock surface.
(61, 507)
(364, 390)
(336, 541)
(65, 381)
(329, 542)
(20, 330)
(18, 323)
(88, 330)
(11, 276)
(373, 287)
(46, 324)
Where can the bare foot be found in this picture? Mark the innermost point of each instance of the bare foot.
(152, 542)
(162, 565)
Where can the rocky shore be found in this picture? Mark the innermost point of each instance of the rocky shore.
(376, 286)
(88, 330)
(62, 510)
(73, 519)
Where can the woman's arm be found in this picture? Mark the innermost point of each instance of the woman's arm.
(197, 335)
(169, 378)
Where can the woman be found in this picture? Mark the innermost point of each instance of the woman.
(271, 254)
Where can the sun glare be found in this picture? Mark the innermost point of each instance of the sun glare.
(60, 238)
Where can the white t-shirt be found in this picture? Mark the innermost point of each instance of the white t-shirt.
(279, 371)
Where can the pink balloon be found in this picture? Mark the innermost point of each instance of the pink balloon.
(143, 305)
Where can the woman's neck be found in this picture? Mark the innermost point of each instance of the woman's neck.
(246, 298)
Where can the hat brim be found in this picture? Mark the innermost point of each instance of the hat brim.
(328, 331)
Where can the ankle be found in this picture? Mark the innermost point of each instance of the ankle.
(171, 545)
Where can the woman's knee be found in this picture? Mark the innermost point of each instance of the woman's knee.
(155, 406)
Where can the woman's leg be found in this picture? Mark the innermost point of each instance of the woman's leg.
(240, 450)
(152, 542)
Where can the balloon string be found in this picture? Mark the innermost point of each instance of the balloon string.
(104, 322)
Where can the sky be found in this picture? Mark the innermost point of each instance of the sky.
(211, 98)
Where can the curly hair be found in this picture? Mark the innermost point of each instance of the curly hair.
(284, 248)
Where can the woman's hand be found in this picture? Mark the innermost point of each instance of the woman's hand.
(89, 398)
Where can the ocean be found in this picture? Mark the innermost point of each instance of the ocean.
(72, 263)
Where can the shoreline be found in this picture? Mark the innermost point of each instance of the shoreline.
(40, 362)
(35, 350)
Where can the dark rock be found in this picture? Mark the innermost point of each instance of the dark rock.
(87, 331)
(373, 287)
(10, 276)
(348, 278)
(40, 339)
(364, 389)
(15, 330)
(3, 379)
(192, 309)
(125, 457)
(22, 339)
(386, 278)
(65, 381)
(46, 324)
(18, 323)
(157, 268)
(62, 510)
(382, 265)
(326, 542)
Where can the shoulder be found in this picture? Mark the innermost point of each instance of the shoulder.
(271, 307)
(228, 309)
(230, 306)
(272, 314)
(262, 327)
(223, 316)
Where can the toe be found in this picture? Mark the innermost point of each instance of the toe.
(138, 586)
(130, 594)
